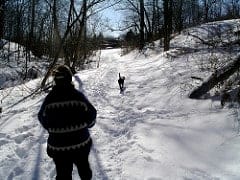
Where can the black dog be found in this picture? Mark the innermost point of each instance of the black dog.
(121, 82)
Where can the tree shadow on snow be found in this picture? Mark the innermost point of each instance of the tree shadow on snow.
(36, 168)
(99, 172)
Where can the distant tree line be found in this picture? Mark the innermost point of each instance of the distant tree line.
(149, 20)
(53, 28)
(41, 25)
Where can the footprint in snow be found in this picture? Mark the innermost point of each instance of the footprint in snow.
(24, 128)
(20, 138)
(121, 150)
(3, 142)
(16, 172)
(21, 152)
(148, 150)
(4, 139)
(2, 135)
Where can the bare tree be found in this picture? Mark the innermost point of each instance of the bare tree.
(207, 9)
(56, 33)
(2, 7)
(75, 25)
(32, 27)
(179, 16)
(142, 25)
(232, 8)
(167, 5)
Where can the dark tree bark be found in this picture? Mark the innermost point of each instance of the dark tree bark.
(31, 36)
(63, 39)
(56, 33)
(142, 25)
(154, 16)
(206, 10)
(2, 7)
(167, 6)
(82, 37)
(85, 28)
(179, 23)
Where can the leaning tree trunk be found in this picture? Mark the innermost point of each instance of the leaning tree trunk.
(58, 51)
(219, 76)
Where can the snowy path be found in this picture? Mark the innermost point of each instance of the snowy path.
(151, 131)
(152, 126)
(111, 135)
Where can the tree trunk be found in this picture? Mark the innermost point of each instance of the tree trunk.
(85, 28)
(206, 10)
(31, 35)
(170, 23)
(142, 39)
(167, 6)
(179, 17)
(219, 76)
(2, 6)
(82, 37)
(58, 50)
(154, 16)
(56, 33)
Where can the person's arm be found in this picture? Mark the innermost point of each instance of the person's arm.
(91, 115)
(42, 116)
(90, 112)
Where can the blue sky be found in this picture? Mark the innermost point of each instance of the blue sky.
(114, 18)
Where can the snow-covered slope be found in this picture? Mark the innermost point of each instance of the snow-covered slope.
(14, 64)
(151, 131)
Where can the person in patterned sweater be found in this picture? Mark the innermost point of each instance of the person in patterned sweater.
(67, 114)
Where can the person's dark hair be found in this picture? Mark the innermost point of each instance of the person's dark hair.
(62, 75)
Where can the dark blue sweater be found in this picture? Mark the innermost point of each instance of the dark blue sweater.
(66, 114)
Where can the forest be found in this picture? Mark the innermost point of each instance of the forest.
(74, 30)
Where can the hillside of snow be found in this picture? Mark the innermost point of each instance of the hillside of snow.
(151, 131)
(14, 62)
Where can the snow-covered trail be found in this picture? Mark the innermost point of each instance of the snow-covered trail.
(151, 131)
(112, 135)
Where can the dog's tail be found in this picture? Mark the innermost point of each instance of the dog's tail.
(119, 75)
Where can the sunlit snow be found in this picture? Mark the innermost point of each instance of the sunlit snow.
(151, 131)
